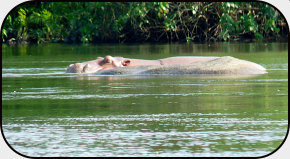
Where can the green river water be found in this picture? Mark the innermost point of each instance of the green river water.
(46, 112)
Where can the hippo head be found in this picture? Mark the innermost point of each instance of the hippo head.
(99, 64)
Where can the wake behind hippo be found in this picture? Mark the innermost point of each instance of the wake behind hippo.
(172, 65)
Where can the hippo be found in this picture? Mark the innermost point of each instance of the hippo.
(172, 65)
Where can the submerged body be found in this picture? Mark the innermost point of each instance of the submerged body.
(172, 65)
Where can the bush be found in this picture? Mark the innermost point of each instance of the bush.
(94, 22)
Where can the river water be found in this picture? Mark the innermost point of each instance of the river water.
(46, 112)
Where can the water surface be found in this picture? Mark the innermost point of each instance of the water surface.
(48, 113)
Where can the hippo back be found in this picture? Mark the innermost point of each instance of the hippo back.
(222, 65)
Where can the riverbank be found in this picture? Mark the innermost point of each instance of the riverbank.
(138, 22)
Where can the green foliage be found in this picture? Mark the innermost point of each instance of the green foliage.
(92, 22)
(253, 18)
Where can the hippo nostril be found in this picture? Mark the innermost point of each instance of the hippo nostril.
(86, 68)
(78, 67)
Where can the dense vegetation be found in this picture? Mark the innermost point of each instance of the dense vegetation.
(93, 22)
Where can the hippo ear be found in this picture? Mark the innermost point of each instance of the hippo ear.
(126, 62)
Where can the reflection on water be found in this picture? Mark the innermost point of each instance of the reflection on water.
(49, 113)
(174, 134)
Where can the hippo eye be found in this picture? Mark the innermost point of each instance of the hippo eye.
(108, 59)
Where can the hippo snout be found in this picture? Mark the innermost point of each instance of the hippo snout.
(75, 68)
